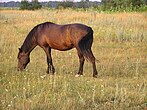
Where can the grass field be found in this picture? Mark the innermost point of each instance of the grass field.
(120, 44)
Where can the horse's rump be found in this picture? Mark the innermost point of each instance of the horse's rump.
(85, 45)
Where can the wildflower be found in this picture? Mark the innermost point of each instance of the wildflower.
(25, 77)
(30, 100)
(16, 96)
(9, 105)
(43, 76)
(24, 88)
(69, 53)
(29, 85)
(101, 80)
(102, 85)
(6, 90)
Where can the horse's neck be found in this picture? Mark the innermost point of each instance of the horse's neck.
(29, 44)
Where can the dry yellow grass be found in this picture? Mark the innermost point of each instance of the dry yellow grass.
(120, 44)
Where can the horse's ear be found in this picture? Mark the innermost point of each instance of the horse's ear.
(19, 49)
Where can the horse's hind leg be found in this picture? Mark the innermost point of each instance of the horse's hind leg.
(92, 60)
(81, 60)
(50, 68)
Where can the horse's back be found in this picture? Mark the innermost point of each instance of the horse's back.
(61, 37)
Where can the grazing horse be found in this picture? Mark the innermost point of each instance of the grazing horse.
(60, 37)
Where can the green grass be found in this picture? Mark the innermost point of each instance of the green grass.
(120, 45)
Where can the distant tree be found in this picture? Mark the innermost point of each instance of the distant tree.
(48, 5)
(84, 4)
(35, 5)
(66, 4)
(145, 2)
(122, 4)
(138, 2)
(25, 5)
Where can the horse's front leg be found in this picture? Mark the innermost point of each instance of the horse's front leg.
(50, 68)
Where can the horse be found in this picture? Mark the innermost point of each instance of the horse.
(49, 36)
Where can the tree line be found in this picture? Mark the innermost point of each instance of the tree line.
(34, 5)
(127, 5)
(104, 5)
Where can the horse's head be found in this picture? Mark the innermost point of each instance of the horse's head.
(23, 60)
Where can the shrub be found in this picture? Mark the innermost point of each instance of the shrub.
(65, 4)
(123, 5)
(24, 5)
(34, 5)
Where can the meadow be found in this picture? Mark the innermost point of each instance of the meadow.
(120, 45)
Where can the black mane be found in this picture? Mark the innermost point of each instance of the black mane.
(30, 40)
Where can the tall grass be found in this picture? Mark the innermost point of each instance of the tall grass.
(120, 44)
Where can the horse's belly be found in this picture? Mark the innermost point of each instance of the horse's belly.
(62, 47)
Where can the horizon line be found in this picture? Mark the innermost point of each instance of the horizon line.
(6, 1)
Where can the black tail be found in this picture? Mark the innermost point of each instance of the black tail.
(85, 45)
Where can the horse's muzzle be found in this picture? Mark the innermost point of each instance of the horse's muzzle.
(20, 69)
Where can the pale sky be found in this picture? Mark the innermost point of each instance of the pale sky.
(43, 0)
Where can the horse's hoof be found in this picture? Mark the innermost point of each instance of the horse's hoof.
(78, 75)
(50, 72)
(95, 76)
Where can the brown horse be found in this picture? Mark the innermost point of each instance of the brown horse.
(60, 37)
